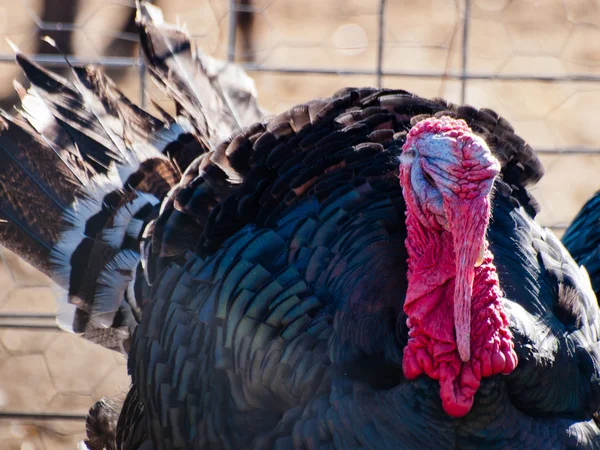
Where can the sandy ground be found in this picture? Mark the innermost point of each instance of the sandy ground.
(54, 371)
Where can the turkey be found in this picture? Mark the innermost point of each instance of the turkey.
(361, 271)
(582, 239)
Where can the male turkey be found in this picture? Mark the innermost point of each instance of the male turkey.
(582, 239)
(362, 271)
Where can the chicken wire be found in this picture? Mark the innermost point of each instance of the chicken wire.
(533, 61)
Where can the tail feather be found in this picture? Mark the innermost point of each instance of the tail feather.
(68, 107)
(128, 222)
(84, 173)
(132, 122)
(93, 120)
(134, 128)
(217, 98)
(36, 188)
(37, 116)
(96, 258)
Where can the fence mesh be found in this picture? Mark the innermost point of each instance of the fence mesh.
(536, 62)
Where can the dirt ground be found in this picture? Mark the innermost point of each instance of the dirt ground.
(55, 372)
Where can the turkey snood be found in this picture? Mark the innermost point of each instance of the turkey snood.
(458, 329)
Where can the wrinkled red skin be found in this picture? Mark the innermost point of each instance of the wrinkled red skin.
(432, 347)
(429, 303)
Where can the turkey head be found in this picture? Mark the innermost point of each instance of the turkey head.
(458, 329)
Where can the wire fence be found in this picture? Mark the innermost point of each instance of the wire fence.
(33, 321)
(463, 73)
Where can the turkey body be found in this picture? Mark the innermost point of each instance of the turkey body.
(582, 239)
(257, 283)
(284, 327)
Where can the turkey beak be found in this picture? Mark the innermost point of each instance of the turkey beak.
(468, 221)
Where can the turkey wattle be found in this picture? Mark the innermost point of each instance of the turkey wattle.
(458, 330)
(277, 288)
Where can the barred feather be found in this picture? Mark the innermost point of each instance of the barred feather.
(218, 98)
(95, 167)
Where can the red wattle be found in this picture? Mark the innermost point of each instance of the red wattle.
(432, 345)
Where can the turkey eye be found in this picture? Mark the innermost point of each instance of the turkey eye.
(428, 178)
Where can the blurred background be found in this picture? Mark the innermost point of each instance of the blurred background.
(536, 62)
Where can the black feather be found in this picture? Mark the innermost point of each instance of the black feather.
(256, 274)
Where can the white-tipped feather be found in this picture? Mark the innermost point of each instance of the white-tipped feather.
(219, 95)
(232, 79)
(36, 111)
(135, 228)
(61, 254)
(182, 126)
(112, 284)
(40, 117)
(76, 219)
(133, 153)
(154, 13)
(112, 126)
(586, 285)
(65, 311)
(116, 233)
(130, 293)
(145, 249)
(91, 204)
(137, 154)
(95, 107)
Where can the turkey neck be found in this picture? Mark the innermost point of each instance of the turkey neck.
(429, 305)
